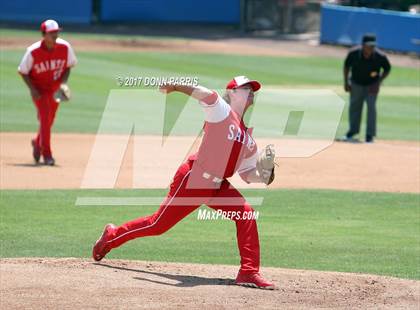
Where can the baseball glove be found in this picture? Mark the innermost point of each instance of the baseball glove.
(63, 93)
(265, 164)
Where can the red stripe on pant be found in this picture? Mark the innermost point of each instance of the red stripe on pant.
(46, 107)
(168, 215)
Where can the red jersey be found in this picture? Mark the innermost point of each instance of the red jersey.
(227, 146)
(46, 67)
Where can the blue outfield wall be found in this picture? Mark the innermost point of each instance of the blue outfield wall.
(398, 31)
(215, 11)
(36, 11)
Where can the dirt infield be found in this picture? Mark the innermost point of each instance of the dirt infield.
(71, 283)
(385, 166)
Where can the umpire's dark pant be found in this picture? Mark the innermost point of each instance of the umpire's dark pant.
(358, 95)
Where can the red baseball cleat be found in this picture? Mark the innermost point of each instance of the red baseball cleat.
(253, 280)
(100, 249)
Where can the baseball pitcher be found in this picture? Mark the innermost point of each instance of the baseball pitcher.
(227, 147)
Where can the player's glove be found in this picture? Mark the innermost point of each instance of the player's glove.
(265, 164)
(63, 93)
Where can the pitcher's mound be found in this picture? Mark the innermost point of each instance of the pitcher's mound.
(116, 284)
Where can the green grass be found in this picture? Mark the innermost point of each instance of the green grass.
(374, 233)
(95, 75)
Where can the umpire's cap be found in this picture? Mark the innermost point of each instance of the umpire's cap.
(369, 39)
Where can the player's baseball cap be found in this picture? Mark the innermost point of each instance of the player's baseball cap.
(241, 81)
(50, 25)
(369, 39)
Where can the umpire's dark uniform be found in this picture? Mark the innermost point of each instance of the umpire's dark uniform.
(368, 67)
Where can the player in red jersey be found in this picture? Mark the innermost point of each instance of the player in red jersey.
(44, 68)
(227, 147)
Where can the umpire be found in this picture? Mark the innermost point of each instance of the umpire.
(368, 67)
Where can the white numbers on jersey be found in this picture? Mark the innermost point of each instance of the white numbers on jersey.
(57, 74)
(235, 133)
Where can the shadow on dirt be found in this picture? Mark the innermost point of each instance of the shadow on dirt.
(31, 165)
(184, 281)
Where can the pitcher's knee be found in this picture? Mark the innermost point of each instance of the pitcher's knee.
(245, 214)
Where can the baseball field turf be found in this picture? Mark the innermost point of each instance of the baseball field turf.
(324, 230)
(95, 75)
(362, 232)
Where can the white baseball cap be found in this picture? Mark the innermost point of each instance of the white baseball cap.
(241, 81)
(50, 25)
